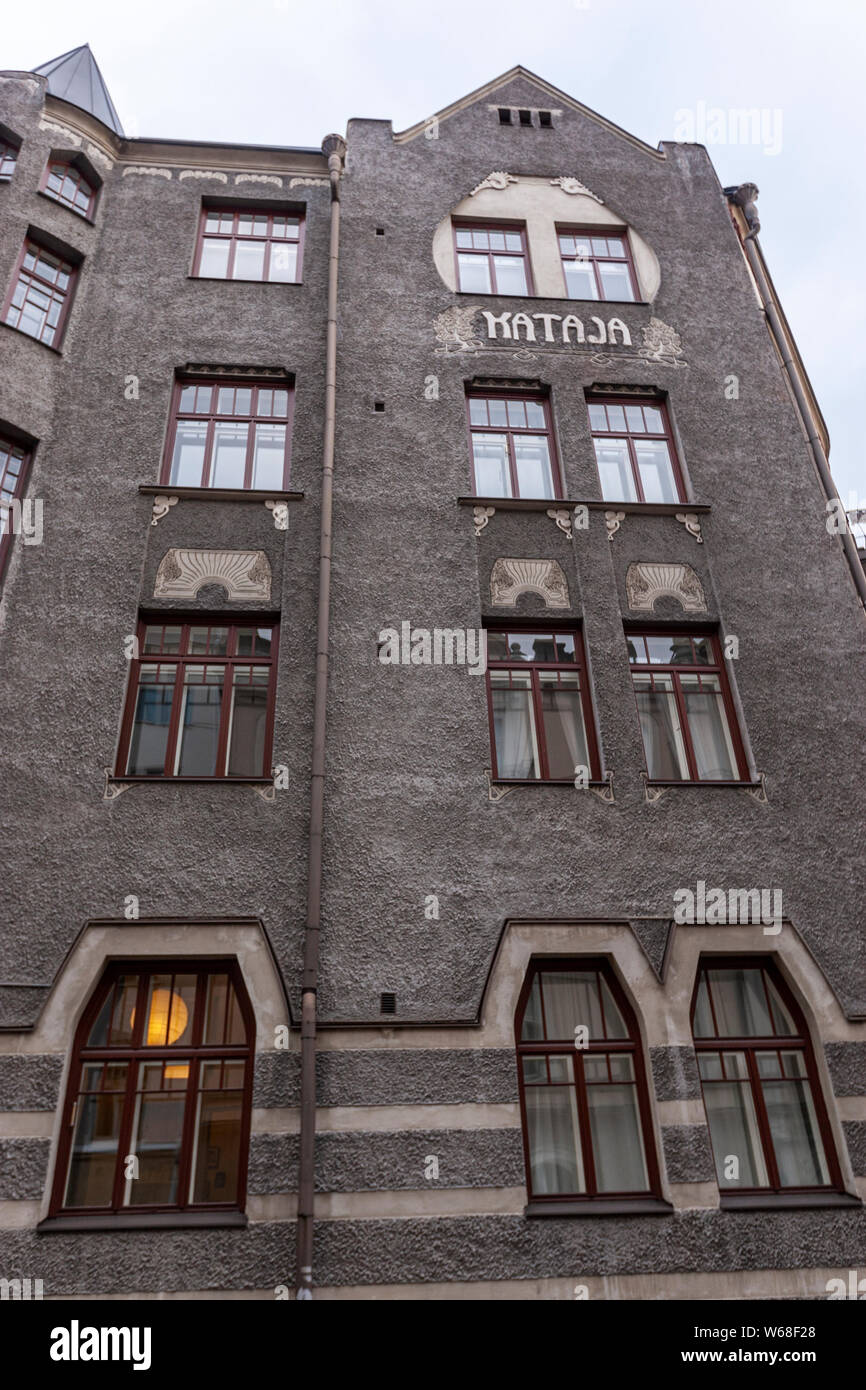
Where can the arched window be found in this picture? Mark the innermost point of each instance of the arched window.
(586, 1120)
(68, 185)
(157, 1110)
(765, 1111)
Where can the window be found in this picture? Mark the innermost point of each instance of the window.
(583, 1097)
(687, 721)
(249, 244)
(229, 434)
(597, 267)
(540, 713)
(768, 1125)
(201, 700)
(162, 1071)
(513, 452)
(67, 184)
(14, 461)
(491, 260)
(8, 157)
(634, 450)
(38, 302)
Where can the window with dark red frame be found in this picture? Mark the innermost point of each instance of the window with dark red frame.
(687, 718)
(492, 259)
(228, 433)
(67, 184)
(8, 157)
(597, 265)
(249, 244)
(513, 449)
(541, 727)
(162, 1073)
(634, 450)
(583, 1091)
(14, 463)
(201, 699)
(40, 294)
(766, 1114)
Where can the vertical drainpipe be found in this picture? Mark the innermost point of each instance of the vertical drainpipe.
(744, 198)
(334, 147)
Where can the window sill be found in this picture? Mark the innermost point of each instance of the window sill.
(543, 782)
(540, 504)
(554, 299)
(224, 280)
(601, 1206)
(162, 781)
(220, 494)
(785, 1201)
(29, 336)
(59, 203)
(142, 1221)
(749, 786)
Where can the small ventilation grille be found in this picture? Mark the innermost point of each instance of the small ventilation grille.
(387, 1003)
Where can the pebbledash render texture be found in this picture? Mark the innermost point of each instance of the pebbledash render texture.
(590, 999)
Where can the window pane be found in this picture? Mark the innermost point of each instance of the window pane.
(170, 1008)
(249, 717)
(200, 722)
(660, 727)
(634, 417)
(477, 411)
(796, 1138)
(464, 236)
(492, 473)
(228, 459)
(708, 727)
(734, 1133)
(149, 740)
(513, 729)
(473, 273)
(535, 415)
(534, 474)
(516, 414)
(571, 1000)
(190, 442)
(564, 734)
(614, 470)
(616, 281)
(269, 456)
(656, 470)
(157, 1130)
(533, 1028)
(555, 1158)
(214, 258)
(617, 1142)
(740, 1003)
(580, 280)
(597, 418)
(249, 260)
(216, 1162)
(510, 275)
(284, 262)
(94, 1144)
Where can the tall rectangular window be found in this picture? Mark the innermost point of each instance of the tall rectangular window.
(634, 450)
(492, 259)
(201, 700)
(229, 434)
(540, 714)
(249, 244)
(686, 715)
(40, 294)
(13, 470)
(513, 453)
(597, 266)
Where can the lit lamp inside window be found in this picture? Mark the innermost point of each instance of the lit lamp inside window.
(166, 1022)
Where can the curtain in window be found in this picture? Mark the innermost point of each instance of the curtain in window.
(662, 737)
(514, 732)
(708, 727)
(554, 1140)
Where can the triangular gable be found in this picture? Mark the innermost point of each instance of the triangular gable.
(552, 95)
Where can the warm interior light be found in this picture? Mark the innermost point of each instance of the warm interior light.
(176, 1071)
(166, 1010)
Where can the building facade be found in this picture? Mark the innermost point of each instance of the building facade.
(432, 694)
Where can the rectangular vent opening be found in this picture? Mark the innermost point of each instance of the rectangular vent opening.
(545, 118)
(505, 115)
(525, 117)
(387, 1003)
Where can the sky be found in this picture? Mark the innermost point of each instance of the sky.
(285, 73)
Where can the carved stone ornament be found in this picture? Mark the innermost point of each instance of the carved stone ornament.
(161, 505)
(457, 330)
(309, 183)
(613, 521)
(570, 185)
(281, 515)
(259, 178)
(646, 582)
(562, 517)
(511, 578)
(146, 169)
(661, 342)
(497, 180)
(692, 523)
(481, 516)
(244, 574)
(203, 174)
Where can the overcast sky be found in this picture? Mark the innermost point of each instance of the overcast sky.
(281, 72)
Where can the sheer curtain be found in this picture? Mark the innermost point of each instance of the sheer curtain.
(514, 733)
(662, 739)
(710, 738)
(554, 1140)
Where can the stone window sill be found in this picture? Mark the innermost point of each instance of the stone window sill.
(219, 494)
(785, 1201)
(541, 504)
(601, 1206)
(142, 1221)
